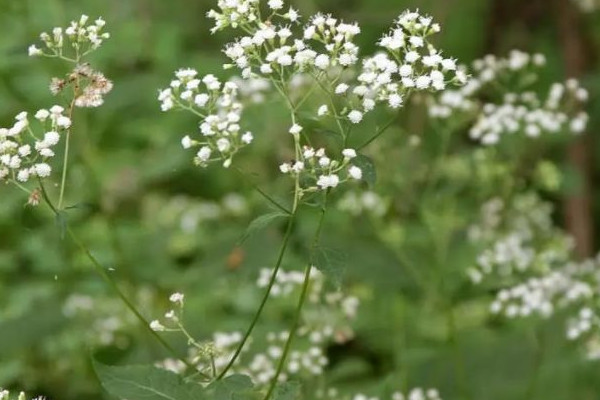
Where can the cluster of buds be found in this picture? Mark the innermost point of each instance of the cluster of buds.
(219, 109)
(73, 42)
(317, 171)
(25, 154)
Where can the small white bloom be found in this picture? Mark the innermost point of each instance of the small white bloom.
(328, 181)
(355, 172)
(51, 138)
(247, 138)
(204, 153)
(295, 129)
(223, 145)
(349, 153)
(177, 298)
(34, 51)
(42, 170)
(355, 116)
(323, 110)
(42, 115)
(186, 142)
(341, 88)
(156, 326)
(275, 4)
(201, 99)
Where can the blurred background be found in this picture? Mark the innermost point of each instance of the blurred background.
(166, 225)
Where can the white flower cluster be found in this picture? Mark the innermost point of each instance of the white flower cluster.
(25, 154)
(574, 287)
(318, 171)
(516, 238)
(512, 109)
(410, 63)
(307, 359)
(172, 317)
(532, 260)
(367, 202)
(289, 282)
(324, 49)
(413, 394)
(78, 38)
(217, 105)
(5, 395)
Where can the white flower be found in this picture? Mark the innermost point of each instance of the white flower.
(42, 170)
(355, 172)
(204, 153)
(395, 100)
(349, 153)
(322, 61)
(247, 138)
(275, 4)
(42, 115)
(295, 129)
(156, 326)
(285, 168)
(176, 298)
(23, 175)
(423, 82)
(341, 88)
(292, 15)
(51, 138)
(201, 99)
(355, 116)
(223, 145)
(186, 142)
(328, 181)
(323, 110)
(34, 51)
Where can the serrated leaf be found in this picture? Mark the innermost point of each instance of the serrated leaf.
(260, 223)
(234, 387)
(287, 391)
(146, 382)
(331, 263)
(367, 166)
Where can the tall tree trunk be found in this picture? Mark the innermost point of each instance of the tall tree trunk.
(577, 57)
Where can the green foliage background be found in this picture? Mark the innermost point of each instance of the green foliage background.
(129, 165)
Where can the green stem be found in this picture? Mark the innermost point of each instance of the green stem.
(300, 306)
(108, 279)
(379, 132)
(64, 170)
(286, 239)
(537, 364)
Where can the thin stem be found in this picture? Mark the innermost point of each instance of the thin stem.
(379, 132)
(286, 239)
(300, 306)
(109, 280)
(537, 364)
(67, 141)
(268, 197)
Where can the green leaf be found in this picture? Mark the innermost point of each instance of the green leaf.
(260, 223)
(367, 166)
(287, 391)
(330, 262)
(146, 382)
(234, 387)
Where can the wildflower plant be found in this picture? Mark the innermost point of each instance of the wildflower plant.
(332, 95)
